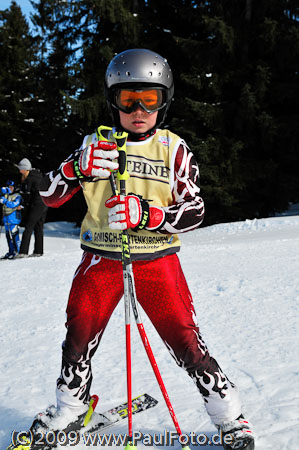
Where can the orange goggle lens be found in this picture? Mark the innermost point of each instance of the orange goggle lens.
(150, 99)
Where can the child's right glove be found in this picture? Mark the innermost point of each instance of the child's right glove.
(133, 211)
(95, 161)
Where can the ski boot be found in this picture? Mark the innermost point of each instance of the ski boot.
(54, 426)
(237, 434)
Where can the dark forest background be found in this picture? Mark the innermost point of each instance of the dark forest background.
(236, 69)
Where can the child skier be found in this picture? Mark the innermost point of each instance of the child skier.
(11, 202)
(163, 200)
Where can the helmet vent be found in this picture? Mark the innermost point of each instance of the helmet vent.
(150, 74)
(128, 74)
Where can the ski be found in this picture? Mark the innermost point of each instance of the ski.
(104, 420)
(93, 423)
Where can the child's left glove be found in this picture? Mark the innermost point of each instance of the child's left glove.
(95, 161)
(3, 200)
(132, 211)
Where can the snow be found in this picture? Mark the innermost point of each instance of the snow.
(244, 280)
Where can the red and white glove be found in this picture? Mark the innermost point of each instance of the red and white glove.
(93, 161)
(132, 211)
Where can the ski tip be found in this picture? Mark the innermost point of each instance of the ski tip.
(130, 446)
(92, 405)
(25, 445)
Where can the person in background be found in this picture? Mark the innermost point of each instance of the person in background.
(12, 205)
(37, 211)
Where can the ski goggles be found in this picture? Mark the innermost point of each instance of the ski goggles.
(150, 100)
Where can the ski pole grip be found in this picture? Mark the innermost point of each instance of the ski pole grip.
(103, 133)
(121, 140)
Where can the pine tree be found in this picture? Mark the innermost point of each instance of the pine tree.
(236, 102)
(17, 110)
(78, 40)
(56, 136)
(265, 62)
(198, 46)
(106, 28)
(235, 66)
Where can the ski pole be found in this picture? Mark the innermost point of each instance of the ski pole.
(129, 284)
(122, 175)
(103, 134)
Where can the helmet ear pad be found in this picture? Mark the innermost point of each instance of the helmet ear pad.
(163, 112)
(114, 113)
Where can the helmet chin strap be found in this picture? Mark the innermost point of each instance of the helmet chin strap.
(136, 137)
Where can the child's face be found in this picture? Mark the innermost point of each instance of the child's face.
(138, 121)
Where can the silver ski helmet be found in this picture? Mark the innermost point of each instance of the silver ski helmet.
(136, 69)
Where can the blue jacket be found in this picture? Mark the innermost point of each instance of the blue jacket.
(11, 215)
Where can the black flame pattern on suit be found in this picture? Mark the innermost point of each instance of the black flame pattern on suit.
(76, 375)
(211, 382)
(208, 376)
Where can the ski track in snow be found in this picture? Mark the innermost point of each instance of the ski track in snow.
(243, 277)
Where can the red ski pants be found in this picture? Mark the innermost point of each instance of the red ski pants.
(163, 293)
(161, 290)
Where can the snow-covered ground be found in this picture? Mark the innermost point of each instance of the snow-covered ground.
(244, 277)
